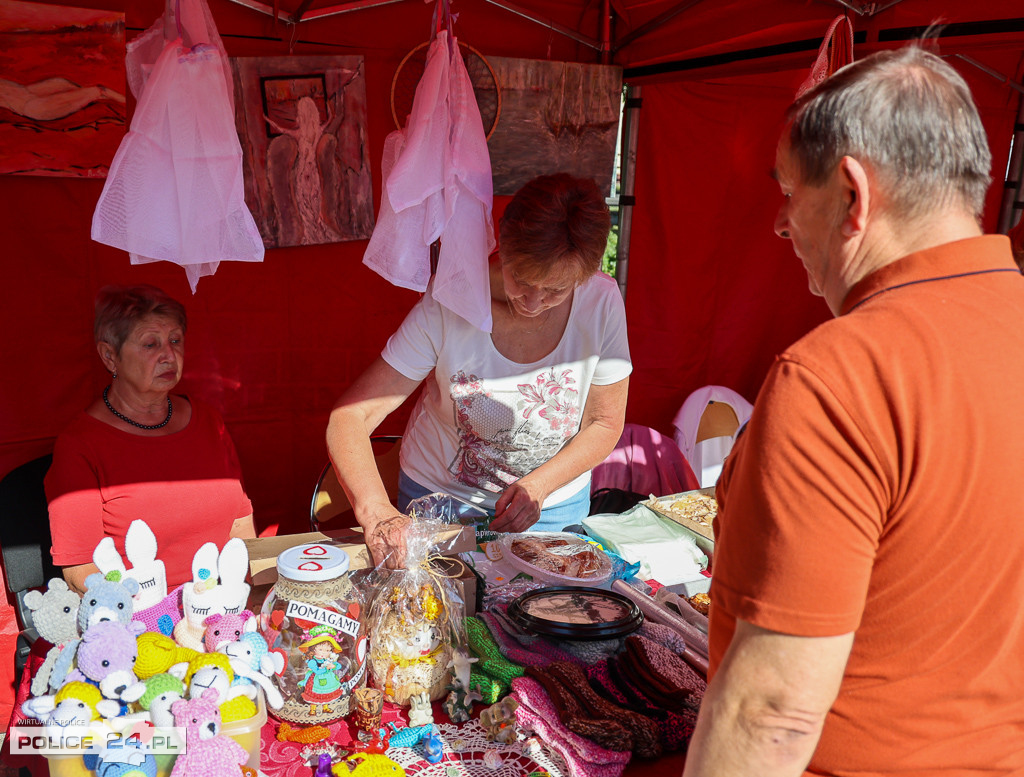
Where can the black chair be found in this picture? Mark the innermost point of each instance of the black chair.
(329, 500)
(25, 543)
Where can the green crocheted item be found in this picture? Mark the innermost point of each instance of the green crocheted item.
(490, 690)
(492, 662)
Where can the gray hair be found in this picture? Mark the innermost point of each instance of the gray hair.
(911, 117)
(119, 309)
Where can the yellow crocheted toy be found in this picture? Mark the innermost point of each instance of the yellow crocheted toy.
(213, 670)
(158, 653)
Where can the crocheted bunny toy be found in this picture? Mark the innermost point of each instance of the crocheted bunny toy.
(213, 670)
(147, 570)
(162, 690)
(158, 654)
(253, 662)
(105, 656)
(76, 704)
(222, 629)
(106, 598)
(208, 753)
(217, 587)
(54, 614)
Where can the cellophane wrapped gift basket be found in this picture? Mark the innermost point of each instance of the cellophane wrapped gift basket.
(416, 623)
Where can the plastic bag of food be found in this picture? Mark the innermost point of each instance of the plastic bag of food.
(416, 624)
(559, 558)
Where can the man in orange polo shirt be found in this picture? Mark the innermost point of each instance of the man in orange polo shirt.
(869, 571)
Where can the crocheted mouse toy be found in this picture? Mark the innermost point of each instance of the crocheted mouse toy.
(253, 662)
(217, 587)
(147, 570)
(213, 670)
(54, 614)
(105, 657)
(106, 598)
(208, 753)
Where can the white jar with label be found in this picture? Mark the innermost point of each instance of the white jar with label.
(314, 617)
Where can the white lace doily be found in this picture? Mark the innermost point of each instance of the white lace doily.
(464, 748)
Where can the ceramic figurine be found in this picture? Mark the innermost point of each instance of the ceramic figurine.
(499, 721)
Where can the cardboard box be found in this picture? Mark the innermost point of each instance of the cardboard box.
(466, 582)
(263, 551)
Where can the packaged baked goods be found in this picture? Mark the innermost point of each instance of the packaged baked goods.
(556, 557)
(415, 624)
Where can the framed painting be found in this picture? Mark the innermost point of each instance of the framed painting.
(555, 117)
(62, 89)
(302, 125)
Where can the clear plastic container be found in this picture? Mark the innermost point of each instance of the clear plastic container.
(314, 616)
(558, 558)
(244, 732)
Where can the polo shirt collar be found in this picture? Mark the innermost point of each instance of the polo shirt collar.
(961, 257)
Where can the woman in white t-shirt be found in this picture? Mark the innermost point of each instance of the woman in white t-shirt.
(512, 420)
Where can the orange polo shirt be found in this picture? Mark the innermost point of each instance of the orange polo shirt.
(878, 490)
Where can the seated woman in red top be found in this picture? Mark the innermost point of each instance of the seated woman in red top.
(140, 452)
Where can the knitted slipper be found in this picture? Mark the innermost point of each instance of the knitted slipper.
(601, 763)
(490, 690)
(534, 698)
(509, 645)
(592, 651)
(674, 728)
(607, 733)
(663, 635)
(678, 678)
(533, 644)
(649, 683)
(486, 649)
(646, 739)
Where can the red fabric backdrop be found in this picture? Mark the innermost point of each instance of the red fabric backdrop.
(713, 294)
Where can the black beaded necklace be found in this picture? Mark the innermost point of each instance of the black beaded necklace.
(127, 420)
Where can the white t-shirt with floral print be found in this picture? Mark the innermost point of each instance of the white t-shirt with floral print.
(484, 421)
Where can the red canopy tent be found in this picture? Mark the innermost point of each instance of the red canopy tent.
(712, 294)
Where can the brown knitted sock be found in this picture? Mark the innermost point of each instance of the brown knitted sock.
(646, 742)
(607, 733)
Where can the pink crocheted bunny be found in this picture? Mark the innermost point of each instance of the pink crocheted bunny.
(208, 753)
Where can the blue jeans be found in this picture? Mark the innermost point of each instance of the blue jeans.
(554, 518)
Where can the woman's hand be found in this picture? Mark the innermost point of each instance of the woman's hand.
(518, 507)
(386, 540)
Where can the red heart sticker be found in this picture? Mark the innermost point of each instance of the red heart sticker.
(276, 617)
(353, 611)
(311, 566)
(315, 550)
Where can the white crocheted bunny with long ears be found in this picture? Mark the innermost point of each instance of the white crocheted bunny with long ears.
(147, 570)
(217, 587)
